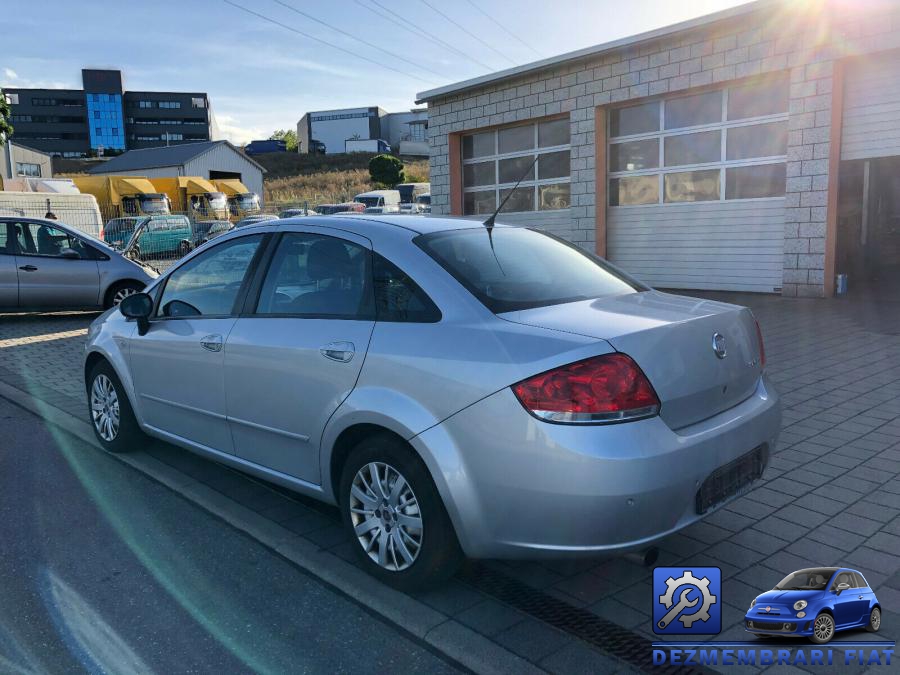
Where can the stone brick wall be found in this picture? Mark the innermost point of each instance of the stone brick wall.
(774, 38)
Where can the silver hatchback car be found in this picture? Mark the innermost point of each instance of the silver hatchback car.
(455, 389)
(45, 264)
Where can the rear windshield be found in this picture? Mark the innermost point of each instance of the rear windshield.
(524, 269)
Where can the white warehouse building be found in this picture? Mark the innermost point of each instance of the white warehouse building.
(330, 130)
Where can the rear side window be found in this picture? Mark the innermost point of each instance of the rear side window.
(860, 580)
(208, 285)
(514, 268)
(400, 299)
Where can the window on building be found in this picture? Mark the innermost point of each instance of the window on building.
(12, 99)
(170, 105)
(145, 104)
(43, 102)
(493, 161)
(198, 102)
(725, 144)
(28, 169)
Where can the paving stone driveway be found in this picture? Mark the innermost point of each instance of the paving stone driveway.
(830, 496)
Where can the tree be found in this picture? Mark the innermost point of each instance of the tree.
(386, 170)
(5, 127)
(289, 136)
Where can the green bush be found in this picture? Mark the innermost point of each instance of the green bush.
(386, 170)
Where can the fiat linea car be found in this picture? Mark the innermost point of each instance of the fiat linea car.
(815, 603)
(455, 389)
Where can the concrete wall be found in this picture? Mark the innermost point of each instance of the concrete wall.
(808, 41)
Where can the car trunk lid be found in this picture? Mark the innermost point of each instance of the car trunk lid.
(672, 339)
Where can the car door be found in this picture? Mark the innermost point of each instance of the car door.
(177, 365)
(9, 280)
(55, 269)
(294, 359)
(865, 597)
(847, 604)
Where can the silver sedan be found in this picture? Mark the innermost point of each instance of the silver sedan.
(45, 264)
(455, 389)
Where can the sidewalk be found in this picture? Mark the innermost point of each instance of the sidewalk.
(830, 496)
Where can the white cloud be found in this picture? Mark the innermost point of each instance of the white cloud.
(236, 133)
(10, 74)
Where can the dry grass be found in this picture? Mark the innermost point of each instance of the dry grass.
(329, 187)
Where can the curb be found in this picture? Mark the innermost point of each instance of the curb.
(452, 639)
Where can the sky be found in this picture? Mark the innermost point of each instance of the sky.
(262, 76)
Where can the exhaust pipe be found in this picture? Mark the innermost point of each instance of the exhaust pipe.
(647, 557)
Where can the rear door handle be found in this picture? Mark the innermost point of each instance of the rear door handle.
(338, 351)
(28, 268)
(212, 343)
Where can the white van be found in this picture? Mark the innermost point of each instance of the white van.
(76, 210)
(387, 200)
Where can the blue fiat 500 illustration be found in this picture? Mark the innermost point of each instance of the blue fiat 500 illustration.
(815, 603)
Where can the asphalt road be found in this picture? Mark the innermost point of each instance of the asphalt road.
(104, 570)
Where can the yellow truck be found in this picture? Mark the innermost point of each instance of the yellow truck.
(119, 196)
(193, 196)
(241, 202)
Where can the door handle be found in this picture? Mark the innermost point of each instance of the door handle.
(338, 351)
(28, 268)
(211, 343)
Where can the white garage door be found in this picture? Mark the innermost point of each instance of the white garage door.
(872, 108)
(696, 188)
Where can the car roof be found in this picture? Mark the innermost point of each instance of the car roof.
(419, 225)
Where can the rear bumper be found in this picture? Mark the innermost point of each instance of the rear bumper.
(517, 487)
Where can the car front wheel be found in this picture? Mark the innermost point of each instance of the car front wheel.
(874, 620)
(120, 291)
(823, 629)
(111, 416)
(393, 511)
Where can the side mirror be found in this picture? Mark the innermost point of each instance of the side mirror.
(70, 254)
(842, 587)
(138, 306)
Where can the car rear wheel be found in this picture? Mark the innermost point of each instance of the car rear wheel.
(874, 620)
(392, 509)
(111, 416)
(823, 629)
(120, 291)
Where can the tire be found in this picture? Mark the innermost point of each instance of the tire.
(120, 291)
(105, 389)
(413, 538)
(823, 636)
(874, 620)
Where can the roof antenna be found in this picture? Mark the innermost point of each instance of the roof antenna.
(489, 223)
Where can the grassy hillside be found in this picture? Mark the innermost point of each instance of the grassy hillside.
(294, 179)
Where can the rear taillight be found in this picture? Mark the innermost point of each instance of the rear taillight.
(608, 388)
(762, 346)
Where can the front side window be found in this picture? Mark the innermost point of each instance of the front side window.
(494, 161)
(45, 240)
(208, 285)
(313, 275)
(514, 268)
(716, 145)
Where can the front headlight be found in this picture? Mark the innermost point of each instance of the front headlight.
(800, 604)
(753, 603)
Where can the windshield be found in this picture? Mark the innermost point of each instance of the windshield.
(217, 200)
(154, 203)
(369, 201)
(423, 199)
(806, 580)
(248, 201)
(523, 269)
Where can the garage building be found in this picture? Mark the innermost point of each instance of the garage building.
(210, 160)
(755, 149)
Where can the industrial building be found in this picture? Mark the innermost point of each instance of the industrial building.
(331, 130)
(755, 149)
(104, 118)
(19, 161)
(214, 160)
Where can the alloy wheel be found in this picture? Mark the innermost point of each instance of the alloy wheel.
(385, 515)
(121, 294)
(105, 408)
(824, 627)
(875, 619)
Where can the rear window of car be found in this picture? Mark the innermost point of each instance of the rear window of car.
(511, 269)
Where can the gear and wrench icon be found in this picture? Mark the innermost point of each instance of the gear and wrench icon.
(701, 585)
